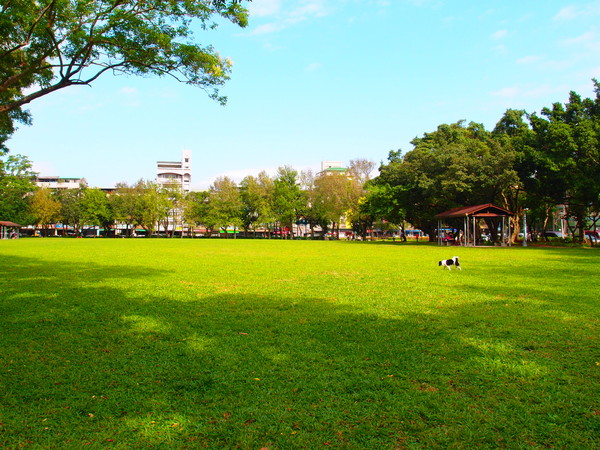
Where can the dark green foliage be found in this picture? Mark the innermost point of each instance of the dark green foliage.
(568, 155)
(287, 197)
(95, 209)
(16, 182)
(551, 159)
(456, 165)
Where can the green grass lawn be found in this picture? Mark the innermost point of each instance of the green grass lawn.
(134, 343)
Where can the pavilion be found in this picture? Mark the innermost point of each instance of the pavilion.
(470, 216)
(6, 227)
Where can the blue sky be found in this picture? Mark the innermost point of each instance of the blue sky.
(321, 80)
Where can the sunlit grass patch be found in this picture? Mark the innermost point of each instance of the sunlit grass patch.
(210, 343)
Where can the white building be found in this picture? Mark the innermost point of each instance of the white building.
(331, 167)
(52, 182)
(326, 165)
(176, 172)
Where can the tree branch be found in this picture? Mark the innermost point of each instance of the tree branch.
(34, 95)
(31, 30)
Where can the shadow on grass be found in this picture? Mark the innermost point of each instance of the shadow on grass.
(101, 355)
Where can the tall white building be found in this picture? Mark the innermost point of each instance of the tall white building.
(176, 172)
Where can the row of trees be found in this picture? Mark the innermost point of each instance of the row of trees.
(528, 162)
(264, 203)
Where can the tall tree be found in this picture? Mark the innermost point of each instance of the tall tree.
(70, 208)
(568, 150)
(47, 45)
(287, 198)
(513, 133)
(44, 209)
(166, 204)
(333, 197)
(123, 203)
(382, 204)
(360, 172)
(16, 182)
(173, 200)
(456, 165)
(256, 193)
(200, 211)
(361, 217)
(95, 209)
(266, 212)
(148, 206)
(313, 211)
(226, 201)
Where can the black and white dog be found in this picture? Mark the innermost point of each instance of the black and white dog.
(450, 262)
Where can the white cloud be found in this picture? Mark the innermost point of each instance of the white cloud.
(571, 12)
(500, 34)
(515, 96)
(544, 90)
(126, 90)
(272, 47)
(130, 96)
(594, 72)
(313, 66)
(262, 8)
(586, 42)
(581, 39)
(530, 59)
(501, 49)
(310, 8)
(284, 18)
(567, 13)
(559, 65)
(507, 92)
(268, 28)
(431, 3)
(168, 93)
(91, 107)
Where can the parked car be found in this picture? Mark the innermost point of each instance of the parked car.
(555, 234)
(592, 236)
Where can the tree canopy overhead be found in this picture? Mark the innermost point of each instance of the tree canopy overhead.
(47, 45)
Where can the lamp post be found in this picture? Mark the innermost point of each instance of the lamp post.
(525, 227)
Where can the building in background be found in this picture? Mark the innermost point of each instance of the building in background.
(53, 182)
(328, 167)
(172, 173)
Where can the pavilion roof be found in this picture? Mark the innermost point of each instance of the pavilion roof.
(486, 210)
(6, 223)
